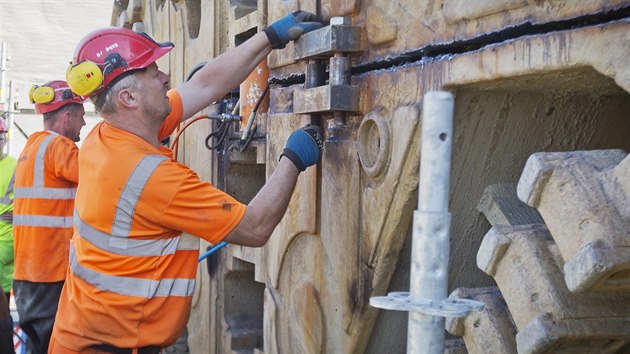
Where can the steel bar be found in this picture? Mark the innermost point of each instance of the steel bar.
(10, 118)
(431, 225)
(3, 69)
(326, 41)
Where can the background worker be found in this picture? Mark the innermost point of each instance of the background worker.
(7, 176)
(45, 184)
(132, 272)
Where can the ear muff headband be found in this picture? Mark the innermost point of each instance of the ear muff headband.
(41, 94)
(84, 78)
(87, 77)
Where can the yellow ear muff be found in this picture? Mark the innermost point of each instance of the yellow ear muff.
(84, 78)
(30, 93)
(41, 94)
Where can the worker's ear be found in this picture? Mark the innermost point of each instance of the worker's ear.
(66, 117)
(128, 97)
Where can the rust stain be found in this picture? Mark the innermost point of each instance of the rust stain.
(359, 293)
(212, 263)
(227, 206)
(353, 296)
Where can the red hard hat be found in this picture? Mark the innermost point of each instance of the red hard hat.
(52, 96)
(3, 126)
(105, 54)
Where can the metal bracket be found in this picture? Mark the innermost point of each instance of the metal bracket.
(400, 301)
(332, 42)
(339, 37)
(326, 99)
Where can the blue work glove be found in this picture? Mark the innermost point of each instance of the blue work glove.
(304, 147)
(290, 28)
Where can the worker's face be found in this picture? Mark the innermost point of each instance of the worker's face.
(3, 141)
(75, 121)
(155, 85)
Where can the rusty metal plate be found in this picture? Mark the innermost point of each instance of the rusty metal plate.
(327, 99)
(327, 41)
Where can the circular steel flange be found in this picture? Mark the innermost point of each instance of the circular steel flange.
(373, 143)
(400, 301)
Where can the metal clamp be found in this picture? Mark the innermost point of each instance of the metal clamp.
(334, 43)
(338, 37)
(401, 301)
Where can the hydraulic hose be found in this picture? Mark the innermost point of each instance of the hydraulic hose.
(212, 250)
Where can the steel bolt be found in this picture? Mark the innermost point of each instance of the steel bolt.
(339, 21)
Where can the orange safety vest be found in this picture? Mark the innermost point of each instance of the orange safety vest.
(45, 185)
(132, 271)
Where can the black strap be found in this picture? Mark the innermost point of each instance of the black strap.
(293, 157)
(115, 350)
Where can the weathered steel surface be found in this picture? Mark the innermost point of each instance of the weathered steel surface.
(490, 330)
(501, 109)
(331, 43)
(548, 316)
(342, 237)
(501, 206)
(326, 41)
(455, 346)
(583, 196)
(327, 98)
(400, 26)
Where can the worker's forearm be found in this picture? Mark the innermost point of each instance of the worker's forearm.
(270, 204)
(233, 66)
(222, 74)
(266, 210)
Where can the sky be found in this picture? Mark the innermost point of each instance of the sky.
(40, 37)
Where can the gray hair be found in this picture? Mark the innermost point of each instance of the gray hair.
(105, 102)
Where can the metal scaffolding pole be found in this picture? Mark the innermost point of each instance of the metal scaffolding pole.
(427, 300)
(3, 69)
(431, 224)
(9, 110)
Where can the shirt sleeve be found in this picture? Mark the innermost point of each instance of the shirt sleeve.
(198, 208)
(175, 117)
(64, 159)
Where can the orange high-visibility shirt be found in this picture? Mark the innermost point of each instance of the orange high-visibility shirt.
(45, 184)
(132, 271)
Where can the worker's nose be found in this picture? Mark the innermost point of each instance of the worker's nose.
(166, 80)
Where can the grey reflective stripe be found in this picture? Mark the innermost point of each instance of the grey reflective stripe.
(131, 193)
(38, 168)
(45, 193)
(123, 244)
(38, 190)
(7, 196)
(129, 286)
(118, 240)
(188, 243)
(42, 221)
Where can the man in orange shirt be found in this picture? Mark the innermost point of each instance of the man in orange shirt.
(132, 272)
(45, 184)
